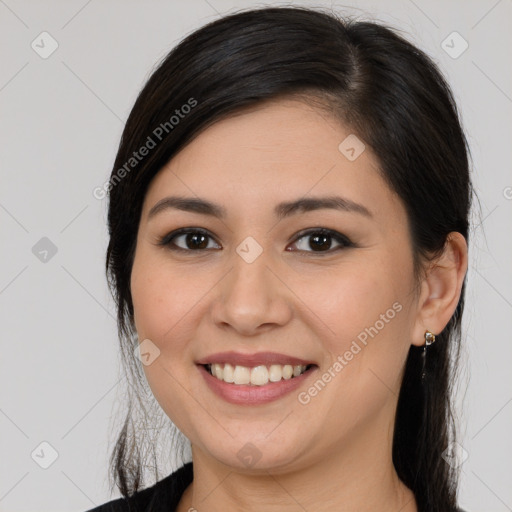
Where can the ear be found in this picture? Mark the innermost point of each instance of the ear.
(440, 288)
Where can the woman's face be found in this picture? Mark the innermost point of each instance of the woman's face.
(262, 287)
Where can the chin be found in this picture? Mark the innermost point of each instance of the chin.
(255, 454)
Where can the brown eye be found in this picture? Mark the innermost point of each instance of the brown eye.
(321, 240)
(188, 240)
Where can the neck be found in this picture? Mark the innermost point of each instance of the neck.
(356, 476)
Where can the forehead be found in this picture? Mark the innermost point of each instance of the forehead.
(286, 134)
(275, 151)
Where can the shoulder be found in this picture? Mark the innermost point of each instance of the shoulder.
(163, 496)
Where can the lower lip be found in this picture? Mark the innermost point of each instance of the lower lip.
(244, 394)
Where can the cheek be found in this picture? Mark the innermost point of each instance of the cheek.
(353, 298)
(161, 297)
(163, 303)
(367, 313)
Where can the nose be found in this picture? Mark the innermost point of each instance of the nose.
(252, 297)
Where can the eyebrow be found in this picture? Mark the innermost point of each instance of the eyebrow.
(282, 210)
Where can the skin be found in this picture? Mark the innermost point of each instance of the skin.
(333, 453)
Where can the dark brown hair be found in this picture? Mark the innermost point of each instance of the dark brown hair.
(394, 98)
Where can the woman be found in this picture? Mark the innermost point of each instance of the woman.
(288, 225)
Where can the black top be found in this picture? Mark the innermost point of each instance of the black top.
(164, 496)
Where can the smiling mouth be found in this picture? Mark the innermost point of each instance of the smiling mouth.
(257, 375)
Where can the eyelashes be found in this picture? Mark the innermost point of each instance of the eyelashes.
(196, 240)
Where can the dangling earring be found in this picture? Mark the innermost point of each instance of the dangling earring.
(429, 339)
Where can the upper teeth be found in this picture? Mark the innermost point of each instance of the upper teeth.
(257, 376)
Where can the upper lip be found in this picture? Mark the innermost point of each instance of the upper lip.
(251, 360)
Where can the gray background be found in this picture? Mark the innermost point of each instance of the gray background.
(61, 119)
